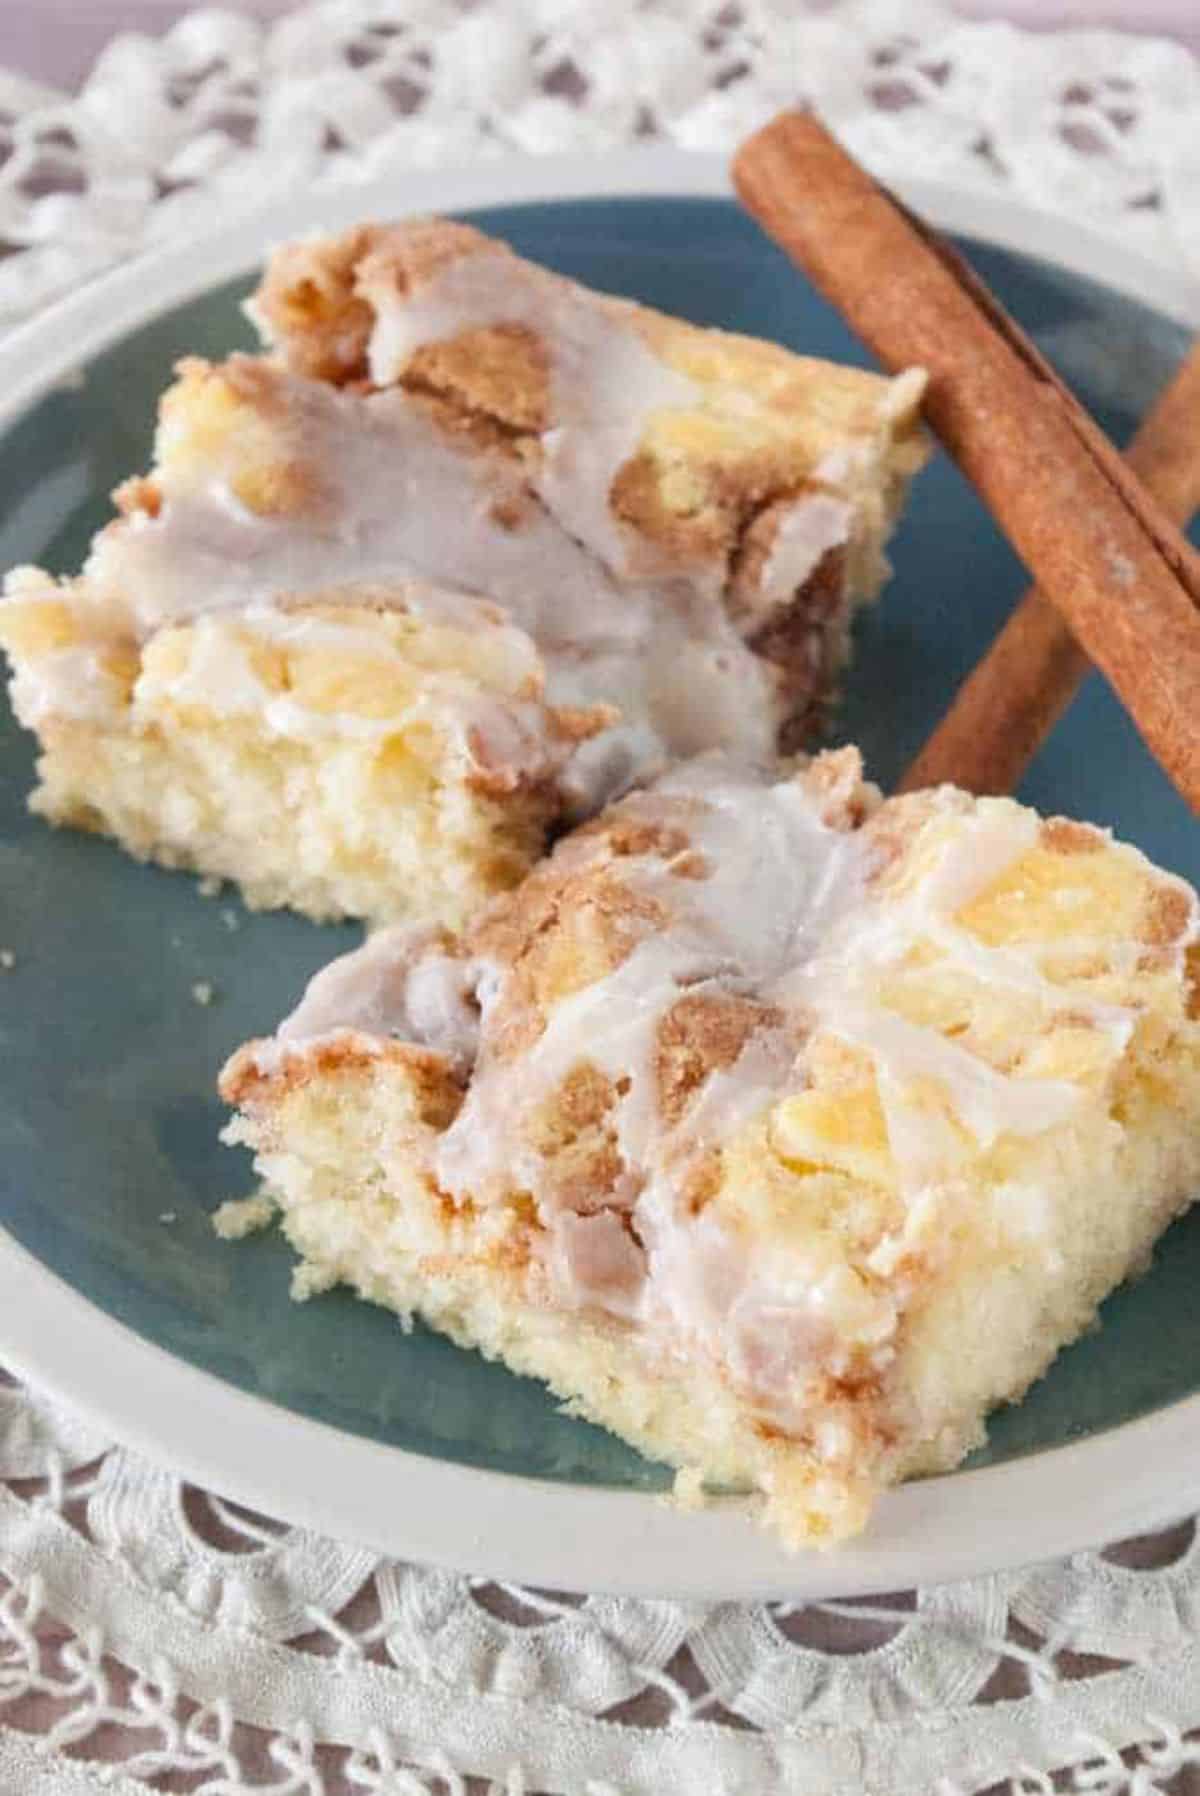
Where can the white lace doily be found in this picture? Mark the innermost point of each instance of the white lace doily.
(155, 1638)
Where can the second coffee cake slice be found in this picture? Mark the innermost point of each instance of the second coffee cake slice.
(471, 548)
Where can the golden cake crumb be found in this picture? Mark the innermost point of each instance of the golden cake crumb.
(238, 1217)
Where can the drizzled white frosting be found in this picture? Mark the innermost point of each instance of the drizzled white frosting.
(392, 496)
(805, 533)
(789, 917)
(777, 878)
(401, 984)
(74, 682)
(604, 383)
(496, 729)
(840, 988)
(398, 498)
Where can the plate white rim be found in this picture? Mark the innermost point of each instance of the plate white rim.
(1119, 1482)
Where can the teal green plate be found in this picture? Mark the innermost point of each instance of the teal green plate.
(111, 1164)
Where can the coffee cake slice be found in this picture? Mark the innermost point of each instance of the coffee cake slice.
(663, 532)
(781, 1130)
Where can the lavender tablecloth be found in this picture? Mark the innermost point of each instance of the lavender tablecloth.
(56, 40)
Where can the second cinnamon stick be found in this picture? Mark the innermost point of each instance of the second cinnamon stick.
(1009, 703)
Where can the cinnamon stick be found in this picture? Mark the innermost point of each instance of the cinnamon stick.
(1009, 703)
(1100, 548)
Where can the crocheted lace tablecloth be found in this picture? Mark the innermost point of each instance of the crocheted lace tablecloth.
(155, 1637)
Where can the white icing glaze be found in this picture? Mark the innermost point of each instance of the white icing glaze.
(397, 499)
(604, 383)
(506, 736)
(840, 988)
(392, 497)
(597, 1261)
(806, 532)
(401, 984)
(988, 1102)
(38, 684)
(777, 877)
(779, 880)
